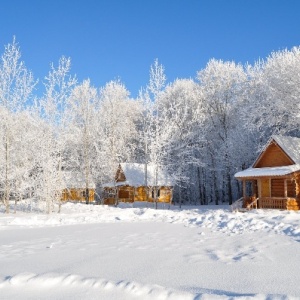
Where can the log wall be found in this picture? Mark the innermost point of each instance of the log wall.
(131, 194)
(77, 195)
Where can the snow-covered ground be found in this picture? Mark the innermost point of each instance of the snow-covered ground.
(100, 252)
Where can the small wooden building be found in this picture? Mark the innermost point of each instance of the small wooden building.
(274, 179)
(132, 183)
(76, 187)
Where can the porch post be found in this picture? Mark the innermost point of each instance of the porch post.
(254, 189)
(244, 189)
(285, 188)
(296, 187)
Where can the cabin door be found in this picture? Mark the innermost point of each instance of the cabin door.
(264, 188)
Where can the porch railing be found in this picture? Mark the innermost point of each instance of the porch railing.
(273, 202)
(253, 204)
(238, 204)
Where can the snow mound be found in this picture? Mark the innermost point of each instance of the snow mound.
(146, 291)
(211, 217)
(130, 290)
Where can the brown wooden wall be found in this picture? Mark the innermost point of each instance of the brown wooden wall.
(126, 194)
(77, 195)
(297, 186)
(273, 156)
(277, 187)
(291, 188)
(131, 194)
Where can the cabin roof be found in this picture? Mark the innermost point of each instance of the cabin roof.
(76, 180)
(268, 171)
(135, 175)
(290, 146)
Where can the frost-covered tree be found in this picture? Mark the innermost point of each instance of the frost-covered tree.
(16, 86)
(152, 126)
(58, 86)
(82, 106)
(119, 117)
(182, 118)
(221, 84)
(274, 93)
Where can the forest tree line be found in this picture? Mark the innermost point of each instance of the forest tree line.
(202, 130)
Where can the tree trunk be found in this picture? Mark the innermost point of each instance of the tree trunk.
(87, 195)
(7, 192)
(229, 188)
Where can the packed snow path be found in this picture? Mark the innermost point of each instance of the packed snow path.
(96, 252)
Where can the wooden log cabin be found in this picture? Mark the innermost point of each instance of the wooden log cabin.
(132, 184)
(273, 181)
(75, 190)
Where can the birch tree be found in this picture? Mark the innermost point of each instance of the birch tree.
(152, 125)
(119, 120)
(222, 86)
(182, 116)
(16, 86)
(82, 111)
(274, 92)
(58, 86)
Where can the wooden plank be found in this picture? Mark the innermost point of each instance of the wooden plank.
(273, 156)
(285, 188)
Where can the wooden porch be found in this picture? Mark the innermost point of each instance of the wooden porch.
(270, 193)
(248, 203)
(272, 203)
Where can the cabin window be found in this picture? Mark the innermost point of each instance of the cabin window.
(157, 193)
(123, 194)
(83, 193)
(291, 188)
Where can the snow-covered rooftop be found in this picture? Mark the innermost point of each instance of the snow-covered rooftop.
(135, 175)
(268, 171)
(291, 146)
(76, 180)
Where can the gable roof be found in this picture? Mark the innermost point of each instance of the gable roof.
(135, 176)
(290, 146)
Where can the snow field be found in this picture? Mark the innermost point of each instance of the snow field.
(100, 252)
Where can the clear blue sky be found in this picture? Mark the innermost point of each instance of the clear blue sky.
(114, 39)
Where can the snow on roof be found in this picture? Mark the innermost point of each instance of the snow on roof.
(113, 184)
(268, 171)
(135, 175)
(76, 180)
(290, 145)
